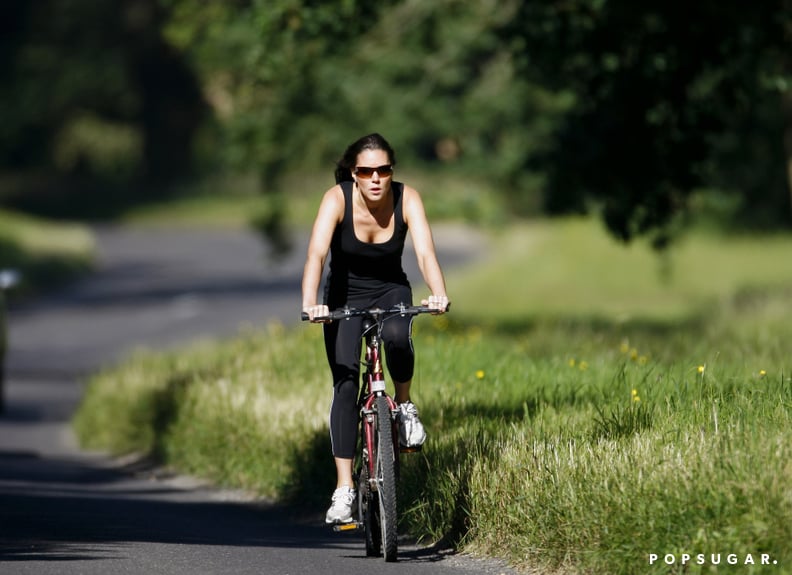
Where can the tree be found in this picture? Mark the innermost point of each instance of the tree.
(84, 79)
(664, 95)
(171, 105)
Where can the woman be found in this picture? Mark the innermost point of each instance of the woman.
(363, 222)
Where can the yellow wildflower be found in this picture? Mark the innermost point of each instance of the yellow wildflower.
(480, 374)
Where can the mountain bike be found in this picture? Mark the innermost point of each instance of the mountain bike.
(377, 459)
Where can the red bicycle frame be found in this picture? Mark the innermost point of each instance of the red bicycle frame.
(375, 386)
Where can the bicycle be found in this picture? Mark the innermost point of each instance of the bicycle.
(377, 459)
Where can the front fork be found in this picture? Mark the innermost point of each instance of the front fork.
(368, 415)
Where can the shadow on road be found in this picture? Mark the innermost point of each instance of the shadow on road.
(60, 509)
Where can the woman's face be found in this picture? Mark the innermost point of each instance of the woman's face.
(373, 183)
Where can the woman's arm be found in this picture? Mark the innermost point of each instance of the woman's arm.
(423, 243)
(330, 213)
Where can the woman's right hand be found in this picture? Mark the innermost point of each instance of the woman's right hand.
(315, 311)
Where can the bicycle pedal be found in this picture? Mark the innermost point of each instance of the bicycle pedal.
(410, 449)
(343, 527)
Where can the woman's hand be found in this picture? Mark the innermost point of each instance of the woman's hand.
(437, 302)
(315, 311)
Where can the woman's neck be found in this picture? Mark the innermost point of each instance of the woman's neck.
(384, 202)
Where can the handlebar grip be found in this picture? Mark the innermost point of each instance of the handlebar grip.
(305, 317)
(427, 309)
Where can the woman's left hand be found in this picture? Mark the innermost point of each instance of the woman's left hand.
(437, 302)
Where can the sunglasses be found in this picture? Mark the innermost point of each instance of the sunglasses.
(365, 172)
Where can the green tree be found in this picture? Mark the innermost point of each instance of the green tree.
(669, 97)
(170, 106)
(295, 81)
(563, 105)
(91, 89)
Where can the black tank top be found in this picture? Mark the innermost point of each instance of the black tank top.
(361, 270)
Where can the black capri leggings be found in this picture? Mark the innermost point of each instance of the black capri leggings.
(343, 346)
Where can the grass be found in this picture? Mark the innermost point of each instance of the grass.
(573, 269)
(46, 253)
(221, 202)
(582, 413)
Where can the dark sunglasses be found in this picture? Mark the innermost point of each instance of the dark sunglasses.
(366, 173)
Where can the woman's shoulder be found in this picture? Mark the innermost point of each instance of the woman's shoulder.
(409, 194)
(333, 202)
(407, 190)
(412, 205)
(334, 194)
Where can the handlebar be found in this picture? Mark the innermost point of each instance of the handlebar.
(348, 312)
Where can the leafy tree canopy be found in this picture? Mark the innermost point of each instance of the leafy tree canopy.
(565, 105)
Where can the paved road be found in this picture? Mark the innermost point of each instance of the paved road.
(65, 511)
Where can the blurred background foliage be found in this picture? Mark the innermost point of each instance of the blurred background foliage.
(641, 112)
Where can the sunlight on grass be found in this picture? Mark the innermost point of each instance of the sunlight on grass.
(45, 253)
(571, 267)
(224, 202)
(39, 237)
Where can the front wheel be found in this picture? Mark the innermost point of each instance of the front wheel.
(386, 479)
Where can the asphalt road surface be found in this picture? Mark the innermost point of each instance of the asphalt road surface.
(65, 511)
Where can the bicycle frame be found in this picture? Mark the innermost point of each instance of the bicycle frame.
(374, 378)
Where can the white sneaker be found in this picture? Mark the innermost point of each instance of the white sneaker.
(411, 430)
(341, 509)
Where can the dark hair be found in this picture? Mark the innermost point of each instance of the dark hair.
(347, 162)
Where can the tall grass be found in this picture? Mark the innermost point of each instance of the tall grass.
(572, 429)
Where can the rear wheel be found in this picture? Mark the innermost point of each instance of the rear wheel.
(386, 479)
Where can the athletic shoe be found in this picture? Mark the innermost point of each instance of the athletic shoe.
(411, 430)
(341, 509)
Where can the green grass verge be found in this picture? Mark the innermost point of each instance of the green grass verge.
(44, 252)
(581, 415)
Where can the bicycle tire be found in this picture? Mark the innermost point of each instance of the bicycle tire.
(386, 479)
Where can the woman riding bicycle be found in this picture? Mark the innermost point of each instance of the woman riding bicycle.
(363, 222)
